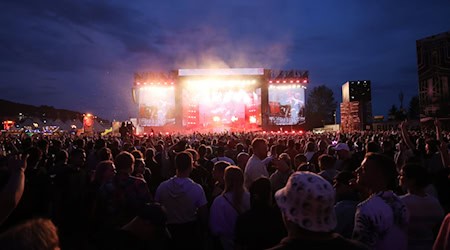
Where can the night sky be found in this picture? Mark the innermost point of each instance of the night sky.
(81, 55)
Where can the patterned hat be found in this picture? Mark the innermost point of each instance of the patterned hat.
(308, 201)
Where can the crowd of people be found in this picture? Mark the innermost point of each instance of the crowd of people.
(248, 190)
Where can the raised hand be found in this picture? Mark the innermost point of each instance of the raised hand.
(437, 123)
(403, 124)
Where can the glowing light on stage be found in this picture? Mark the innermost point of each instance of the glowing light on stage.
(157, 89)
(216, 119)
(252, 119)
(219, 83)
(234, 118)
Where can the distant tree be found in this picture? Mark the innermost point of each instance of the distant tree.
(392, 112)
(401, 115)
(414, 108)
(400, 98)
(396, 114)
(320, 107)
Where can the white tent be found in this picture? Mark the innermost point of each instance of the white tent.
(62, 125)
(78, 124)
(98, 127)
(28, 122)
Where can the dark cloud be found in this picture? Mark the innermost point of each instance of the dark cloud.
(82, 54)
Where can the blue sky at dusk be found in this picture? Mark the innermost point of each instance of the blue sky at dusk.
(81, 55)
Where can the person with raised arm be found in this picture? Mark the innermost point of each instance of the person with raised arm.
(443, 147)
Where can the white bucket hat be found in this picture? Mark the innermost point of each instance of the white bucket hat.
(308, 201)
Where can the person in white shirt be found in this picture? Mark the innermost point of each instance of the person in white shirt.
(186, 205)
(426, 213)
(227, 207)
(381, 221)
(257, 164)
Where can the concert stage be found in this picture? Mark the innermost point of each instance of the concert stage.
(215, 100)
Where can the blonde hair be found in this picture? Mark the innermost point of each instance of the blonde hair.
(38, 233)
(234, 184)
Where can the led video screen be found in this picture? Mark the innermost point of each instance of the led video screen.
(157, 105)
(286, 104)
(221, 103)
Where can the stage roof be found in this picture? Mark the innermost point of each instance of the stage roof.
(221, 72)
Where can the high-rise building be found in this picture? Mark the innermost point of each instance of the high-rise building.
(433, 63)
(356, 91)
(356, 106)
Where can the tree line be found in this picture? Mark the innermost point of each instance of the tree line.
(321, 108)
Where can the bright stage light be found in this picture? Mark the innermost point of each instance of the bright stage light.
(157, 89)
(252, 119)
(286, 86)
(234, 118)
(216, 119)
(218, 83)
